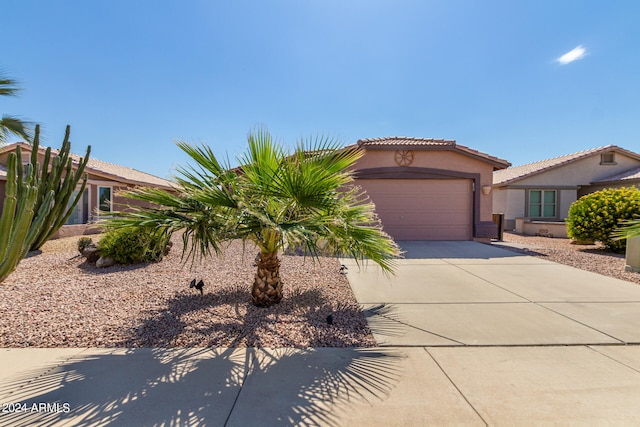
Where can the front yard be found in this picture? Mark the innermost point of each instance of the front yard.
(55, 299)
(586, 257)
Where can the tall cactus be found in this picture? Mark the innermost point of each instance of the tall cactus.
(18, 226)
(60, 178)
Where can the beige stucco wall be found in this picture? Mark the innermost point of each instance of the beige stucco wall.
(567, 197)
(543, 228)
(438, 159)
(500, 198)
(511, 203)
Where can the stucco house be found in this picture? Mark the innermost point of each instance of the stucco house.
(535, 198)
(423, 189)
(429, 189)
(100, 197)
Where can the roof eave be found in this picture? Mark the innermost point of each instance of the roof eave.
(123, 180)
(434, 145)
(601, 150)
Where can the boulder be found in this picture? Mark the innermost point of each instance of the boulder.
(105, 261)
(91, 253)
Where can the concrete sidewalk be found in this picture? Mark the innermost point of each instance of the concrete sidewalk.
(576, 385)
(469, 334)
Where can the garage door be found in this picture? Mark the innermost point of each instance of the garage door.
(423, 209)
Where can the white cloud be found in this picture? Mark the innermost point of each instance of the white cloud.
(573, 55)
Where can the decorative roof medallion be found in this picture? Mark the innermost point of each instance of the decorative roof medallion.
(403, 157)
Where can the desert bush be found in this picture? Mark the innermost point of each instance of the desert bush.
(132, 245)
(83, 243)
(595, 216)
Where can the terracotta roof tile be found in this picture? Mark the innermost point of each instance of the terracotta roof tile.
(106, 169)
(515, 173)
(125, 173)
(405, 140)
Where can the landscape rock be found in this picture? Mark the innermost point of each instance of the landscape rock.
(104, 262)
(91, 253)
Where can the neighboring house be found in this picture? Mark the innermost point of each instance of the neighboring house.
(535, 198)
(429, 189)
(100, 197)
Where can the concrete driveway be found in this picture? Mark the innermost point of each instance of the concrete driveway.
(521, 340)
(468, 293)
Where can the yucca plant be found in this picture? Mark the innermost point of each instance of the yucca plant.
(305, 199)
(19, 226)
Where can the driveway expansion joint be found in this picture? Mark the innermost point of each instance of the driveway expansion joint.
(248, 361)
(581, 323)
(456, 386)
(613, 358)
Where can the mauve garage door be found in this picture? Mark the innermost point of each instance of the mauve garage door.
(422, 209)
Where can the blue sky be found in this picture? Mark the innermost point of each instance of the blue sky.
(131, 77)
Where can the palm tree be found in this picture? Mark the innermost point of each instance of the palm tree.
(628, 228)
(11, 125)
(305, 200)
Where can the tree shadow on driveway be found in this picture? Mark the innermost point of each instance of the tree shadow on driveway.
(223, 386)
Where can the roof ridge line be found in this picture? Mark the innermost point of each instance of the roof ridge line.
(581, 152)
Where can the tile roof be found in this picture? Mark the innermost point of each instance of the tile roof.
(405, 140)
(447, 144)
(628, 175)
(106, 169)
(127, 174)
(523, 171)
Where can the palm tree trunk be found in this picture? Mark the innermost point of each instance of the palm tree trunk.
(267, 286)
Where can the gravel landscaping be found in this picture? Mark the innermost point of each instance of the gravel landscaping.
(586, 257)
(55, 299)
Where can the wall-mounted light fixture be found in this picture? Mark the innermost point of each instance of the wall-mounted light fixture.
(486, 189)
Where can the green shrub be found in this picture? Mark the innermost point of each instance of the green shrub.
(83, 243)
(595, 216)
(131, 245)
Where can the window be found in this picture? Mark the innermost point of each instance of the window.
(80, 214)
(608, 158)
(104, 201)
(542, 203)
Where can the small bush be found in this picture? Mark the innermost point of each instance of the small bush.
(132, 245)
(595, 216)
(83, 243)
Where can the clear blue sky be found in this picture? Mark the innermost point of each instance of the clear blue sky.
(130, 77)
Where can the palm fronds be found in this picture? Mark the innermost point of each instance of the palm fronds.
(274, 198)
(12, 125)
(629, 228)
